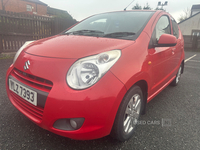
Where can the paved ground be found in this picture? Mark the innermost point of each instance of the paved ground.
(172, 120)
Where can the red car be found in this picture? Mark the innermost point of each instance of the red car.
(96, 78)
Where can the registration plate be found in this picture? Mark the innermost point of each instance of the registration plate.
(24, 92)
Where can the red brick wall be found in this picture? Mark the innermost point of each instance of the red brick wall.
(20, 6)
(41, 9)
(0, 6)
(11, 5)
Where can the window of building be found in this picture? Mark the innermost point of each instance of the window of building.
(28, 7)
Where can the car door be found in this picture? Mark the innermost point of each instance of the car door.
(176, 50)
(160, 56)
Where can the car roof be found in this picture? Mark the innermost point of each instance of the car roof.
(121, 11)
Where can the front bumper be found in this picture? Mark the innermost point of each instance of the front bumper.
(98, 104)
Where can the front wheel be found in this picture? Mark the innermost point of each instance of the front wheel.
(178, 77)
(128, 114)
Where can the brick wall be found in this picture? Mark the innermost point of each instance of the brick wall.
(0, 6)
(11, 5)
(21, 6)
(41, 9)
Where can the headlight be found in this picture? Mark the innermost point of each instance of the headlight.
(87, 71)
(20, 50)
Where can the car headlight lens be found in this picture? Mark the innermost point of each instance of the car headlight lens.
(87, 71)
(20, 50)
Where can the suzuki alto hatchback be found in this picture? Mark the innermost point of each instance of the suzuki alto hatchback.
(96, 78)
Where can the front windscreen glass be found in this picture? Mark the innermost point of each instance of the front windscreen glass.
(121, 25)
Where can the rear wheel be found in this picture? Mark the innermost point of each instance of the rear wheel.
(128, 114)
(178, 77)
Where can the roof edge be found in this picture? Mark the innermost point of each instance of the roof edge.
(37, 2)
(189, 18)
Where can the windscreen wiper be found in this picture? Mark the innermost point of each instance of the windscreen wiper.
(83, 32)
(119, 34)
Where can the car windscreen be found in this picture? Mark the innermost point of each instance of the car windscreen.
(121, 25)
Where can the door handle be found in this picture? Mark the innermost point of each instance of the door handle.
(173, 49)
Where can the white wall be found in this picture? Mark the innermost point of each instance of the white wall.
(192, 23)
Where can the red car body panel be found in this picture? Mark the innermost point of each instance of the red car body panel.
(84, 103)
(51, 59)
(57, 47)
(165, 61)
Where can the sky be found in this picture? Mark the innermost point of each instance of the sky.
(81, 9)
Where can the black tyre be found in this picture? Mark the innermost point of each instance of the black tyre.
(128, 114)
(178, 77)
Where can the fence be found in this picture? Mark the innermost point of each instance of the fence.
(192, 43)
(17, 28)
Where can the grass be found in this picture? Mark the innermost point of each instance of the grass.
(5, 56)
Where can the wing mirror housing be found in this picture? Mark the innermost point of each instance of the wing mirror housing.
(166, 40)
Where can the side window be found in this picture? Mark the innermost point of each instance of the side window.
(162, 27)
(175, 28)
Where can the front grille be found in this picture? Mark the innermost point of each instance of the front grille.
(33, 81)
(41, 86)
(34, 112)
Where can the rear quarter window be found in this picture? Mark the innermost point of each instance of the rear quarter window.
(175, 28)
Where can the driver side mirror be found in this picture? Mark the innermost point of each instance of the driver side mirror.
(166, 40)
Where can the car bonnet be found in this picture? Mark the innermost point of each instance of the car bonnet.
(70, 46)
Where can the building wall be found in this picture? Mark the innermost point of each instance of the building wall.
(41, 9)
(190, 24)
(21, 6)
(0, 5)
